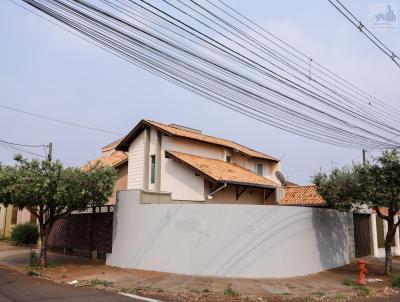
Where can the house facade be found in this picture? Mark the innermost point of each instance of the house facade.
(183, 164)
(11, 216)
(201, 200)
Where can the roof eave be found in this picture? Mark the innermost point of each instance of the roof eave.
(247, 184)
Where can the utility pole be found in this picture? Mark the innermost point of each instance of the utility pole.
(364, 152)
(50, 154)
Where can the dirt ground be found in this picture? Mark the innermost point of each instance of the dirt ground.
(333, 285)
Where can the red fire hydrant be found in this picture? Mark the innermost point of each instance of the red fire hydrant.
(362, 271)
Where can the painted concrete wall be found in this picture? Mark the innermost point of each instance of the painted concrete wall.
(197, 148)
(251, 241)
(136, 163)
(3, 213)
(182, 182)
(9, 215)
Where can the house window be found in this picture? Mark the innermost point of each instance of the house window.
(228, 159)
(153, 169)
(260, 169)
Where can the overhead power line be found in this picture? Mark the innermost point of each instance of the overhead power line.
(22, 150)
(363, 29)
(217, 53)
(60, 121)
(22, 145)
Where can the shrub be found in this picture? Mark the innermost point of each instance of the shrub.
(395, 281)
(26, 233)
(230, 292)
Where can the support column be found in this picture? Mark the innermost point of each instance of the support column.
(350, 230)
(396, 237)
(374, 236)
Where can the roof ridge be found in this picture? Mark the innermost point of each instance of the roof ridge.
(214, 137)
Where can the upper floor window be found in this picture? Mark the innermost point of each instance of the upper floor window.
(228, 159)
(153, 169)
(260, 169)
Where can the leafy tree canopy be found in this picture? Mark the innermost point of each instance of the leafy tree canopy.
(50, 192)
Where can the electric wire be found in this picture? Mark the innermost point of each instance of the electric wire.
(233, 78)
(367, 33)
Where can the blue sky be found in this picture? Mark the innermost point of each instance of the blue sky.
(46, 70)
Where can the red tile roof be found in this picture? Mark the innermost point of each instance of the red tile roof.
(178, 131)
(115, 159)
(222, 172)
(302, 196)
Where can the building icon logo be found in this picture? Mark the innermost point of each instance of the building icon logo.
(383, 16)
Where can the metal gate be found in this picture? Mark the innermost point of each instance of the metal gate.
(362, 234)
(90, 231)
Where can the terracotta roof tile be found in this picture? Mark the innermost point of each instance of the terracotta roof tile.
(111, 146)
(113, 160)
(210, 139)
(221, 171)
(302, 196)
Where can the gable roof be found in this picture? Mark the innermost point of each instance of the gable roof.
(218, 171)
(111, 146)
(302, 196)
(115, 159)
(176, 131)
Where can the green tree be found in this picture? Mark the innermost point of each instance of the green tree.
(374, 185)
(50, 192)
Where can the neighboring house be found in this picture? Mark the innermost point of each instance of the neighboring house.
(183, 164)
(306, 196)
(10, 216)
(119, 161)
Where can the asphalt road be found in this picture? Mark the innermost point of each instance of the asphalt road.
(16, 287)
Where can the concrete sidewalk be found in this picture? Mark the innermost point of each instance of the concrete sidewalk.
(63, 269)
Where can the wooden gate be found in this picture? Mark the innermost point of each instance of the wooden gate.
(362, 234)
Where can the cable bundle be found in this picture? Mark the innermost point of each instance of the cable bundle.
(214, 51)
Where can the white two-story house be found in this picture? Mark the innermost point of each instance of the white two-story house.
(185, 165)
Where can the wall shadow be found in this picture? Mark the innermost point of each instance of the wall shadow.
(333, 240)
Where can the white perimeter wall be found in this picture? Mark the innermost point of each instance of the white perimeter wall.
(251, 241)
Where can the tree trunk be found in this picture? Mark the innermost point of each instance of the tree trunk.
(388, 247)
(388, 259)
(44, 234)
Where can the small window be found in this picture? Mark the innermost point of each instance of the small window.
(228, 159)
(260, 169)
(153, 169)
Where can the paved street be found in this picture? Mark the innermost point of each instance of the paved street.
(15, 287)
